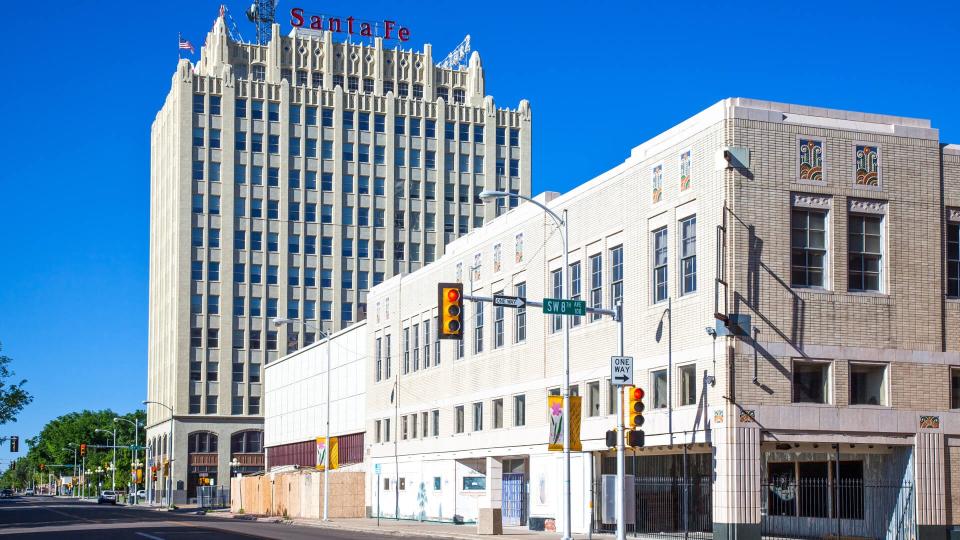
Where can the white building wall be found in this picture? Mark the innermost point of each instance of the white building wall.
(296, 389)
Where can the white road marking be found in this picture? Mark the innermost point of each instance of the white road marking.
(150, 536)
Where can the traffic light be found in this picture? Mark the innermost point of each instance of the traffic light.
(611, 438)
(14, 444)
(450, 304)
(83, 449)
(42, 466)
(634, 407)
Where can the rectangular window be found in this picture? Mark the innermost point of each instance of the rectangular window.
(327, 117)
(576, 288)
(953, 260)
(688, 255)
(519, 410)
(478, 330)
(213, 271)
(557, 279)
(464, 132)
(435, 423)
(387, 433)
(426, 349)
(326, 149)
(658, 380)
(459, 421)
(520, 315)
(808, 243)
(593, 398)
(616, 276)
(273, 111)
(688, 384)
(865, 252)
(596, 284)
(478, 416)
(612, 393)
(955, 388)
(241, 108)
(514, 167)
(811, 381)
(498, 325)
(868, 384)
(514, 137)
(416, 346)
(660, 265)
(213, 338)
(498, 413)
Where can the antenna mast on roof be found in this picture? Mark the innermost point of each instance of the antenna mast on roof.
(231, 24)
(262, 14)
(457, 57)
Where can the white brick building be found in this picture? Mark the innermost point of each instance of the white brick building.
(834, 236)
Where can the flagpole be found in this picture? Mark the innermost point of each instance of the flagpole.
(179, 40)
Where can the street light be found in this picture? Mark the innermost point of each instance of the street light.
(235, 464)
(113, 463)
(169, 449)
(280, 321)
(562, 225)
(136, 442)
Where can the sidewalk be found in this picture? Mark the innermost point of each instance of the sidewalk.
(406, 528)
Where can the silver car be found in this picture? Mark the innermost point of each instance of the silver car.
(108, 497)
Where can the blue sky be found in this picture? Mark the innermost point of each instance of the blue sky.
(85, 79)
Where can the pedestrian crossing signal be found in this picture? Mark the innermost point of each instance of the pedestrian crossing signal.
(450, 310)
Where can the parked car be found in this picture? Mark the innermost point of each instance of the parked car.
(6, 493)
(107, 496)
(142, 494)
(29, 492)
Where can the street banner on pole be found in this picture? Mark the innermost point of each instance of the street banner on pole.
(334, 452)
(555, 412)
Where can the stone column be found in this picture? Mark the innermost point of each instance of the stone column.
(929, 472)
(490, 519)
(736, 488)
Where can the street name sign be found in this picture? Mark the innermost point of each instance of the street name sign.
(509, 301)
(621, 370)
(560, 306)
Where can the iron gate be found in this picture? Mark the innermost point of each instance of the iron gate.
(672, 496)
(818, 508)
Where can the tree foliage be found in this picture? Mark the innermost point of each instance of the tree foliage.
(54, 447)
(13, 397)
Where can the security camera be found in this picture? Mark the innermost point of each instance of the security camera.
(711, 331)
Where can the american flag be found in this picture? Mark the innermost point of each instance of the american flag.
(185, 44)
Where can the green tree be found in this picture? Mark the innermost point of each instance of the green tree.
(55, 444)
(13, 398)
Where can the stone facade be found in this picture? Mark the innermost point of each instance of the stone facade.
(882, 358)
(286, 180)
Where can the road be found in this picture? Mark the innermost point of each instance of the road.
(48, 517)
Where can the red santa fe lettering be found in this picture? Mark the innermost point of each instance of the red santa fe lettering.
(404, 33)
(296, 17)
(387, 28)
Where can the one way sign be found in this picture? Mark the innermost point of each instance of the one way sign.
(621, 370)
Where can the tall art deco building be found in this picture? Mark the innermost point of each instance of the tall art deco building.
(286, 180)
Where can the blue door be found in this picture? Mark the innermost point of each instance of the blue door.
(514, 499)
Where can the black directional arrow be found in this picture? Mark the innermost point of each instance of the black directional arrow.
(622, 378)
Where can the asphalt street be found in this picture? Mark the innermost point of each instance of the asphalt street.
(48, 517)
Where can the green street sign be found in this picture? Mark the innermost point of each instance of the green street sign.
(558, 306)
(135, 447)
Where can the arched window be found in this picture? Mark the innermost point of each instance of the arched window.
(246, 442)
(202, 442)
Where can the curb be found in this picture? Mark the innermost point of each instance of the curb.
(386, 532)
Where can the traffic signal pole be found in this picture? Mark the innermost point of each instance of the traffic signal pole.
(621, 450)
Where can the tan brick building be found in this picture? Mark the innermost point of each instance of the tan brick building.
(819, 246)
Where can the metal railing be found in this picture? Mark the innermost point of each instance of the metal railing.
(665, 506)
(821, 507)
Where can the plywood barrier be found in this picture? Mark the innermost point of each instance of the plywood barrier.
(298, 494)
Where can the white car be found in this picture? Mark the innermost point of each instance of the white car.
(108, 497)
(142, 494)
(29, 493)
